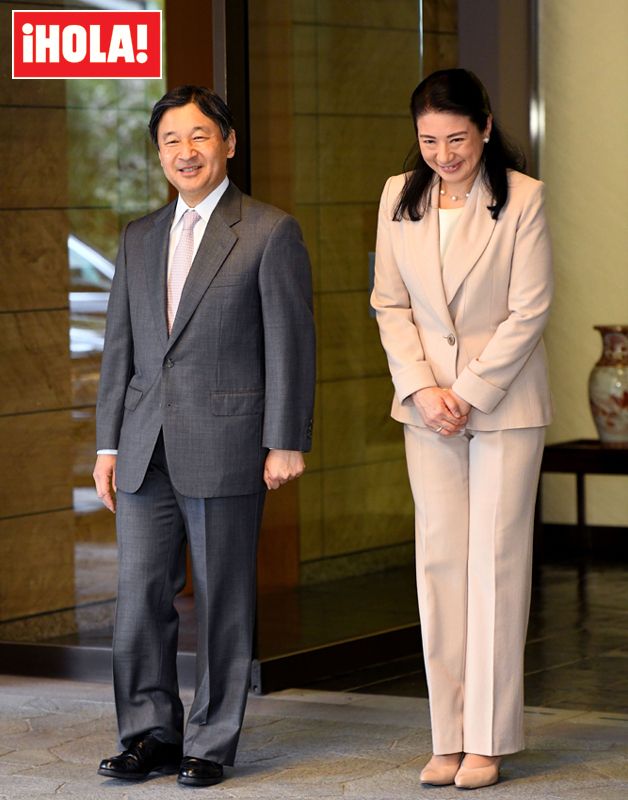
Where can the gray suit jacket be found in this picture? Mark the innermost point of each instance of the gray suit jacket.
(236, 375)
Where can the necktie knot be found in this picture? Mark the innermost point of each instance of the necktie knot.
(190, 218)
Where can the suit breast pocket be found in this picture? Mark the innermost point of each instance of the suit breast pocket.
(232, 404)
(229, 276)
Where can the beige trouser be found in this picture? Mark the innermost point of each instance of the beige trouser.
(474, 503)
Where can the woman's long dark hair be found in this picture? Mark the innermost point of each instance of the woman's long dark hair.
(458, 91)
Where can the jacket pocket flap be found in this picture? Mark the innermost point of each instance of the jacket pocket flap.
(228, 404)
(132, 398)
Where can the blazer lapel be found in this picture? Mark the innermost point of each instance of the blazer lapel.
(216, 244)
(426, 246)
(155, 266)
(470, 239)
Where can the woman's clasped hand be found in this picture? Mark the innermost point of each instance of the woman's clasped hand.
(442, 410)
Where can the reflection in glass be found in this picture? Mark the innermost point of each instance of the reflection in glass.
(112, 180)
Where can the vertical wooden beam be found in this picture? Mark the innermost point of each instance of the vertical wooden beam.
(189, 43)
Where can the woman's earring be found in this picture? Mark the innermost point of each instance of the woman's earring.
(486, 140)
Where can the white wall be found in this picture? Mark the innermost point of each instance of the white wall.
(584, 162)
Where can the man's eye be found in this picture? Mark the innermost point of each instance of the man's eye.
(200, 138)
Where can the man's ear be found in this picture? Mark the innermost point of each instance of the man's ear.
(231, 143)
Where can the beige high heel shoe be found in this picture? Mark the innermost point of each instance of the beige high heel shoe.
(478, 777)
(441, 774)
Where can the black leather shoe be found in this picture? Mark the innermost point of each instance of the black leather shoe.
(146, 754)
(198, 772)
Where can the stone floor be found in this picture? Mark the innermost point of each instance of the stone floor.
(301, 745)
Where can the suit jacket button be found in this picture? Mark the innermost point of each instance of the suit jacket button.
(451, 339)
(169, 363)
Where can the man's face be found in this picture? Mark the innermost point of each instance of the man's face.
(192, 152)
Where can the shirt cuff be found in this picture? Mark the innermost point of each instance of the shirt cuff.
(106, 452)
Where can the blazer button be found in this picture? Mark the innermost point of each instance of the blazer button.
(169, 363)
(451, 339)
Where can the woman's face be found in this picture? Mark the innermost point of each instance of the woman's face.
(452, 146)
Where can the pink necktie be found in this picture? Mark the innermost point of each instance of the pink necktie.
(181, 263)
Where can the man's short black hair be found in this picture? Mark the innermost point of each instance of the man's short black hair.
(208, 102)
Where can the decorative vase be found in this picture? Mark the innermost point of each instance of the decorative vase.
(608, 387)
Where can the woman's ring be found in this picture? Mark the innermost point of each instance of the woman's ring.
(439, 429)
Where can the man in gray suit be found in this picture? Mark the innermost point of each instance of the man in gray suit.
(205, 400)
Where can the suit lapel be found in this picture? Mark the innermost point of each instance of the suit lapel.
(470, 239)
(216, 244)
(155, 266)
(426, 247)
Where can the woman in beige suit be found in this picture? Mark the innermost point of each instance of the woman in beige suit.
(462, 292)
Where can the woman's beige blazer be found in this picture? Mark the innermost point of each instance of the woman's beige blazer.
(474, 324)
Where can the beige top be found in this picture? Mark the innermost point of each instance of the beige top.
(447, 220)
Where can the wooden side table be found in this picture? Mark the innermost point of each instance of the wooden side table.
(581, 457)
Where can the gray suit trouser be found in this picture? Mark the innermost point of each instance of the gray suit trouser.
(153, 525)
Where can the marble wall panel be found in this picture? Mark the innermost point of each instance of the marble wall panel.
(34, 361)
(309, 219)
(367, 506)
(389, 14)
(311, 520)
(350, 345)
(39, 449)
(358, 153)
(305, 170)
(306, 86)
(314, 459)
(357, 427)
(304, 10)
(366, 71)
(347, 235)
(40, 552)
(35, 163)
(34, 259)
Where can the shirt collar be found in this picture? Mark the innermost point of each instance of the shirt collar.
(205, 208)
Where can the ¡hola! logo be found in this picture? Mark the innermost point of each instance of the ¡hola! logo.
(86, 44)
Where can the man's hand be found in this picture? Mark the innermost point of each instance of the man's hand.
(105, 480)
(282, 466)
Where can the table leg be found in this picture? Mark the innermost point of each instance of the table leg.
(583, 532)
